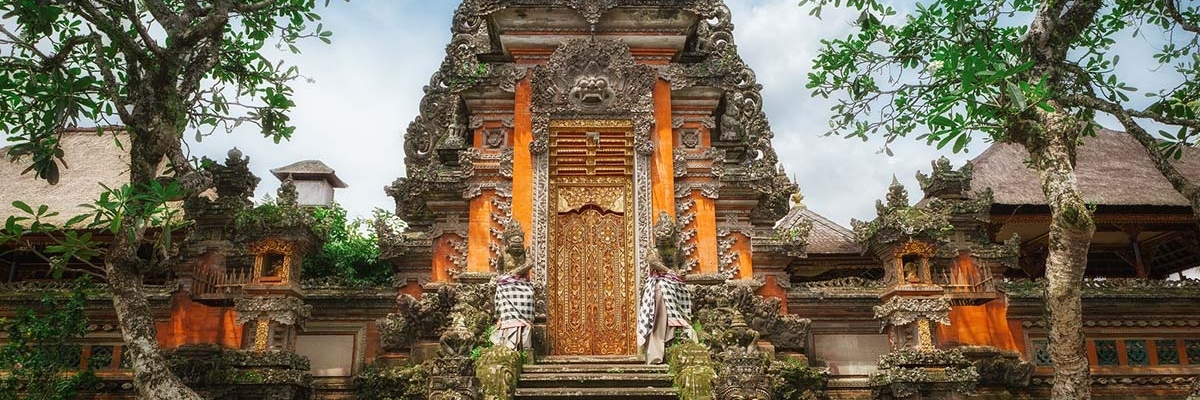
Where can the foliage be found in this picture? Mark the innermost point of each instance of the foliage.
(392, 383)
(94, 61)
(273, 216)
(74, 249)
(350, 255)
(958, 67)
(41, 355)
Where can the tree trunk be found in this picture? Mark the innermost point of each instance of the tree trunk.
(151, 374)
(1071, 229)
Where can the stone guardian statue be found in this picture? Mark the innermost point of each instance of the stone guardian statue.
(514, 292)
(666, 306)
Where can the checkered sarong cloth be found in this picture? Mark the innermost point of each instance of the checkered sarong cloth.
(514, 301)
(676, 298)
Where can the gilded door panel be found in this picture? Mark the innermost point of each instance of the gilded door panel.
(591, 284)
(591, 281)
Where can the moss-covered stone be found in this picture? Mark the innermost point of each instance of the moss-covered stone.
(392, 383)
(692, 370)
(498, 369)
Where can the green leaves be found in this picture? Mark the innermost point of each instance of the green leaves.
(41, 354)
(948, 70)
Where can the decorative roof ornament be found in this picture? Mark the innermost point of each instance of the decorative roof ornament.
(898, 222)
(897, 196)
(287, 195)
(798, 199)
(592, 10)
(945, 182)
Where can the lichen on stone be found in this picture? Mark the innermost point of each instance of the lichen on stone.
(692, 370)
(498, 369)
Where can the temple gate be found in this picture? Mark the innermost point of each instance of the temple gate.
(591, 281)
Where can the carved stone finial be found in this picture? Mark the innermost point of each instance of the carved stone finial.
(897, 196)
(287, 195)
(945, 182)
(234, 154)
(513, 228)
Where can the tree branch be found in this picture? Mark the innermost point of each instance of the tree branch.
(1075, 20)
(110, 28)
(171, 22)
(1181, 183)
(253, 7)
(1172, 10)
(111, 88)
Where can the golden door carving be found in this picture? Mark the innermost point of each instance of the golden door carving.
(591, 284)
(591, 281)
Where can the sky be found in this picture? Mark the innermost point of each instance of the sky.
(365, 87)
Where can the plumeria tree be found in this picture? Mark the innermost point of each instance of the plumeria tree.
(158, 69)
(1035, 73)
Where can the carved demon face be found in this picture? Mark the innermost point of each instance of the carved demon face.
(690, 138)
(591, 90)
(494, 138)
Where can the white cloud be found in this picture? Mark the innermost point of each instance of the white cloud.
(840, 178)
(365, 90)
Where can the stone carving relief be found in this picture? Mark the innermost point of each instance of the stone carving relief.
(742, 119)
(690, 138)
(494, 138)
(595, 79)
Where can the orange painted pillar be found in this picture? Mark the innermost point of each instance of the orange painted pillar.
(441, 257)
(706, 233)
(522, 181)
(479, 232)
(662, 163)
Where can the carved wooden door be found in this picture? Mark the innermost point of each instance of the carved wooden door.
(590, 280)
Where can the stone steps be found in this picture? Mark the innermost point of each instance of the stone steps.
(597, 393)
(588, 380)
(595, 378)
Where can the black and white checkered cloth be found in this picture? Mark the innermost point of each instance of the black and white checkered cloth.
(514, 302)
(676, 298)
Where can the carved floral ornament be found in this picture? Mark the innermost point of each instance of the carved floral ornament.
(899, 311)
(915, 248)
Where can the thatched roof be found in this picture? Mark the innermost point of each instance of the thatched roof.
(88, 159)
(1111, 168)
(826, 237)
(309, 170)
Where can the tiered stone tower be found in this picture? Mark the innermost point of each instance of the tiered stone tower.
(581, 120)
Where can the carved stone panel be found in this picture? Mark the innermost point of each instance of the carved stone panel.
(593, 77)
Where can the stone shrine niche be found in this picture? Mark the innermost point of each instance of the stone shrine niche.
(275, 261)
(911, 264)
